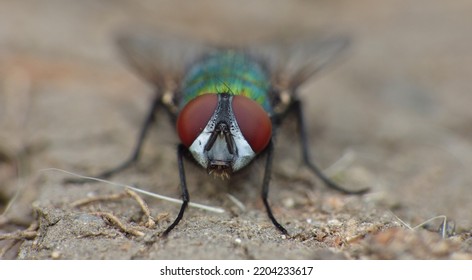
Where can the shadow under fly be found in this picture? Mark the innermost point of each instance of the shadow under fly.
(227, 102)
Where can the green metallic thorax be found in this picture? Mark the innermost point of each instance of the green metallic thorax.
(230, 72)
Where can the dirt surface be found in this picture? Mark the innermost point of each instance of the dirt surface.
(395, 115)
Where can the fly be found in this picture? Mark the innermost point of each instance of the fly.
(226, 103)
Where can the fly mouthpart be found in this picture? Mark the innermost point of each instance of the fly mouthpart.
(221, 169)
(220, 152)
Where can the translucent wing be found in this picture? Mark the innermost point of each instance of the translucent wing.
(162, 58)
(159, 58)
(292, 62)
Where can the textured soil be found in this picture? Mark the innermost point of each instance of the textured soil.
(394, 115)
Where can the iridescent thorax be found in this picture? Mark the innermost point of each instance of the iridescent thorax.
(227, 71)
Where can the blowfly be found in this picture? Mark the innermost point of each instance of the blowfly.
(226, 102)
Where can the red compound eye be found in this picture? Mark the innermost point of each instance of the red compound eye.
(194, 117)
(253, 121)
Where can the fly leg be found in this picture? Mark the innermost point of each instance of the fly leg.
(296, 107)
(150, 118)
(183, 186)
(265, 187)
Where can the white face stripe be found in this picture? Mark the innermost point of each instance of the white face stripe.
(243, 151)
(198, 148)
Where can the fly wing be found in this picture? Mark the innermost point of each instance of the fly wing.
(159, 58)
(291, 62)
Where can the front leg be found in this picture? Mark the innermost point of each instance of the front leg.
(181, 149)
(265, 187)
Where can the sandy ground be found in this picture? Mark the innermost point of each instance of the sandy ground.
(396, 114)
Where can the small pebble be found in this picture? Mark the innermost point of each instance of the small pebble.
(55, 255)
(288, 202)
(334, 222)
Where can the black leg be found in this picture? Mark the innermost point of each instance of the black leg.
(183, 186)
(296, 107)
(150, 118)
(265, 187)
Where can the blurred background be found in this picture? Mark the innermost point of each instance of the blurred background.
(396, 111)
